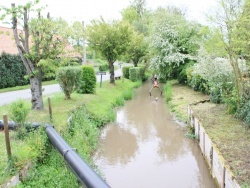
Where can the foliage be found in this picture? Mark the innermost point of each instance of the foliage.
(243, 112)
(48, 40)
(128, 94)
(137, 48)
(110, 39)
(142, 72)
(69, 79)
(168, 92)
(77, 34)
(191, 133)
(125, 71)
(172, 40)
(182, 76)
(232, 32)
(119, 101)
(19, 112)
(214, 76)
(134, 74)
(88, 80)
(12, 71)
(103, 67)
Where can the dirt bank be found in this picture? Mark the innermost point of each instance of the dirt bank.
(229, 134)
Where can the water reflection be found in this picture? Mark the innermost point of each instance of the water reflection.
(145, 148)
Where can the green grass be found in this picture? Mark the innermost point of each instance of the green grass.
(25, 86)
(99, 107)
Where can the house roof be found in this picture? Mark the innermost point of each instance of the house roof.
(7, 42)
(8, 45)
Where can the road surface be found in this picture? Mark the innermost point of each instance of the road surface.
(9, 97)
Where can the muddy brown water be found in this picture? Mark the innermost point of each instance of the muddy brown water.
(145, 148)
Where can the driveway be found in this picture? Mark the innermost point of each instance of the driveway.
(9, 97)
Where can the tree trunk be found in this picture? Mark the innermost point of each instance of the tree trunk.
(36, 91)
(33, 71)
(112, 72)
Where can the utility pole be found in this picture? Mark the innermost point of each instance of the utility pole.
(84, 47)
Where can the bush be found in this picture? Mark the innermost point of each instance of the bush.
(69, 79)
(142, 72)
(182, 76)
(18, 113)
(198, 83)
(104, 67)
(125, 71)
(88, 80)
(134, 74)
(243, 112)
(12, 71)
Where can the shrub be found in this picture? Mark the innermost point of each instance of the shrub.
(182, 76)
(12, 71)
(18, 113)
(88, 80)
(243, 112)
(125, 71)
(69, 79)
(104, 67)
(134, 74)
(142, 72)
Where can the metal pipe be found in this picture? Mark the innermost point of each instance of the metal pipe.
(80, 168)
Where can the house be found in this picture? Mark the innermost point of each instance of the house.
(8, 45)
(7, 41)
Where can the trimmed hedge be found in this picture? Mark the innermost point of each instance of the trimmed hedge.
(125, 71)
(104, 67)
(88, 80)
(12, 71)
(134, 74)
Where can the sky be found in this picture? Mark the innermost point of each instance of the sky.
(87, 10)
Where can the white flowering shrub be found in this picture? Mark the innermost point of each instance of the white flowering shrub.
(167, 54)
(216, 74)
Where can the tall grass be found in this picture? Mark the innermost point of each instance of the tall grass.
(168, 92)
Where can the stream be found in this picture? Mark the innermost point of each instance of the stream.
(146, 148)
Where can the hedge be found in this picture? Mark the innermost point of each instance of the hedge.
(125, 71)
(12, 71)
(88, 80)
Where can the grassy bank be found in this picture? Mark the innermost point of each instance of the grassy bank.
(89, 112)
(229, 134)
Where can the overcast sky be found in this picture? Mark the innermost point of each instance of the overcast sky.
(86, 10)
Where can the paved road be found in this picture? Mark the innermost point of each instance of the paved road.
(8, 97)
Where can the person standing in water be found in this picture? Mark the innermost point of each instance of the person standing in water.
(155, 84)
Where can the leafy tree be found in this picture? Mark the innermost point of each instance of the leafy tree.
(77, 35)
(173, 41)
(111, 39)
(46, 44)
(137, 15)
(227, 18)
(137, 48)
